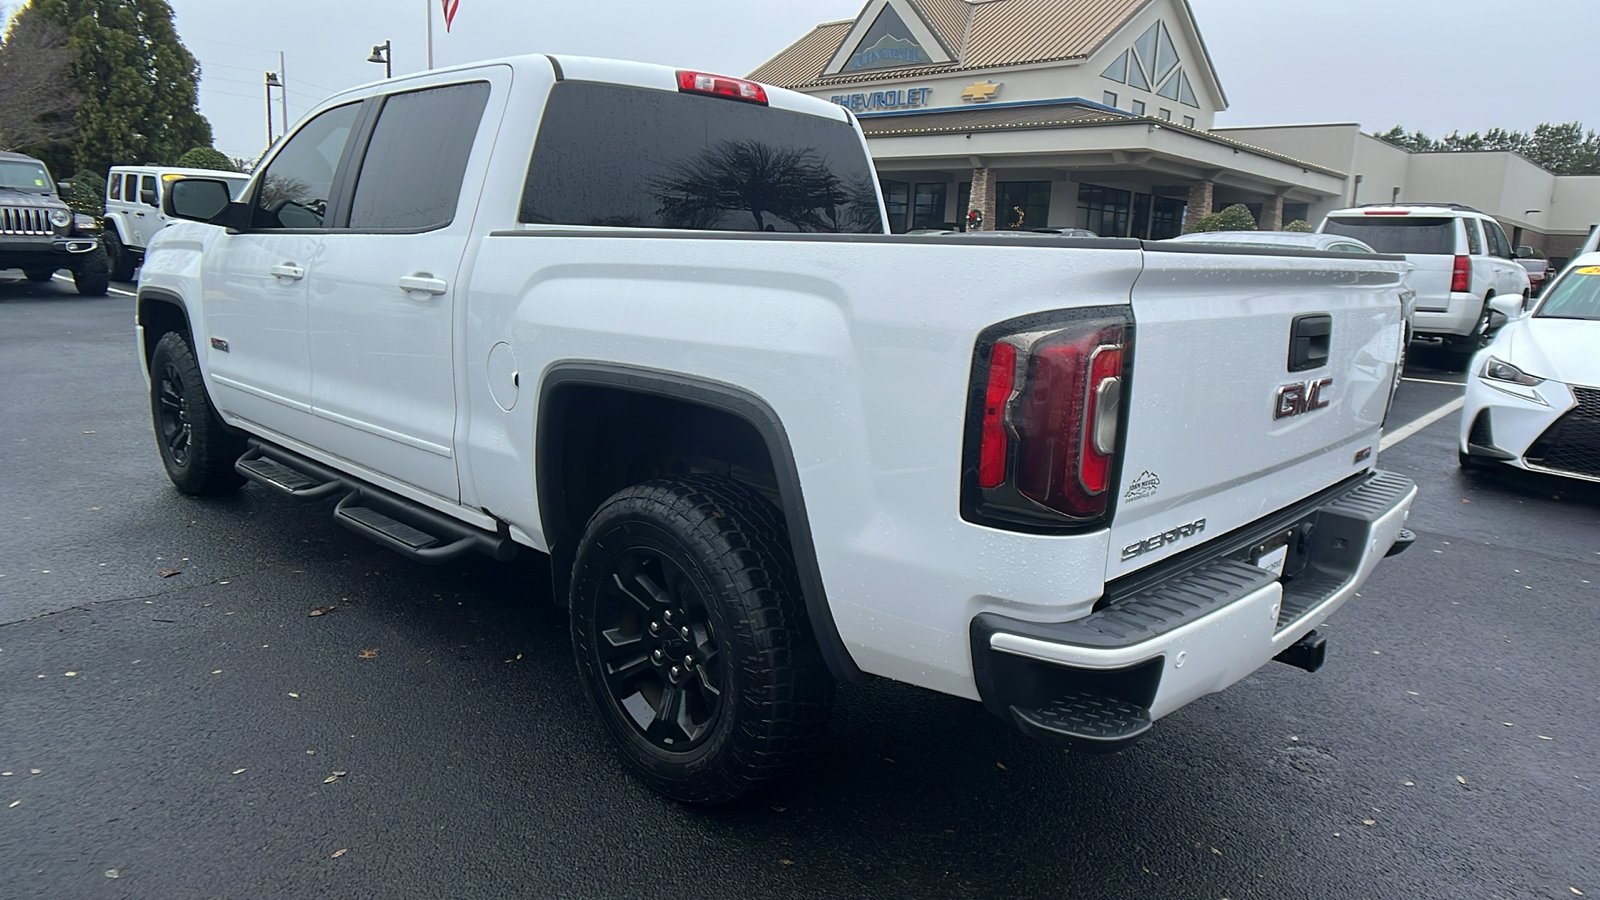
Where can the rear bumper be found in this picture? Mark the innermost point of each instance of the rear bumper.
(1209, 620)
(1457, 315)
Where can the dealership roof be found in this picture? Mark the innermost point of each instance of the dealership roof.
(979, 34)
(1024, 117)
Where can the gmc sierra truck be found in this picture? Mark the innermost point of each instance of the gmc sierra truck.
(650, 322)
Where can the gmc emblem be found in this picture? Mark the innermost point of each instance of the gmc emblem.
(1299, 399)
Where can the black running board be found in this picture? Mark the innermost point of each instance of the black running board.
(404, 526)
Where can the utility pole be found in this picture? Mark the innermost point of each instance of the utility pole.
(272, 81)
(429, 5)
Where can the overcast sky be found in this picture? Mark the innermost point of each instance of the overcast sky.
(1430, 64)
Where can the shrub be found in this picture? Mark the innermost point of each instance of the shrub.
(206, 158)
(1235, 218)
(87, 194)
(1300, 225)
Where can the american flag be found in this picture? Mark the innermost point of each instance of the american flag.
(450, 7)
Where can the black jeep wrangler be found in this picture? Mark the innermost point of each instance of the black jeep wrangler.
(40, 234)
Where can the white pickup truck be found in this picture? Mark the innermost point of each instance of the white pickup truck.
(649, 322)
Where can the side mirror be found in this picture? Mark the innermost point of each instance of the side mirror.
(147, 196)
(196, 199)
(1508, 306)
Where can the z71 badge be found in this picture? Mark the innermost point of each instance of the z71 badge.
(1156, 542)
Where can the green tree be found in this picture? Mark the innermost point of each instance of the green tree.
(1565, 148)
(139, 84)
(1235, 218)
(206, 158)
(1299, 225)
(38, 108)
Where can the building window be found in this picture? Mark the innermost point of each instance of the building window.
(1138, 107)
(1166, 218)
(928, 206)
(1188, 121)
(963, 204)
(1105, 211)
(1166, 115)
(897, 200)
(1296, 212)
(1110, 99)
(1022, 204)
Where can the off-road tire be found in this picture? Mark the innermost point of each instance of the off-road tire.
(92, 276)
(736, 580)
(197, 450)
(117, 255)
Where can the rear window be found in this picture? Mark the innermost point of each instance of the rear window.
(1576, 296)
(1399, 234)
(636, 158)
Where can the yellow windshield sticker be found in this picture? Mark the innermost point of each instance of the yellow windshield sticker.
(1589, 270)
(38, 182)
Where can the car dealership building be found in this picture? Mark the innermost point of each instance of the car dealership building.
(1100, 114)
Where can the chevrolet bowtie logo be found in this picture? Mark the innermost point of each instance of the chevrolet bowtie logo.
(982, 92)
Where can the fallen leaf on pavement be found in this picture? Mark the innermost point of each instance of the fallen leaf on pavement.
(369, 653)
(238, 771)
(1369, 822)
(1001, 766)
(330, 779)
(14, 804)
(168, 573)
(340, 852)
(340, 774)
(322, 611)
(785, 862)
(1460, 779)
(1544, 738)
(112, 873)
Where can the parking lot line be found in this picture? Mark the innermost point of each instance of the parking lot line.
(118, 291)
(1416, 425)
(1434, 381)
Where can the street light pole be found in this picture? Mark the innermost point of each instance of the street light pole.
(429, 5)
(383, 53)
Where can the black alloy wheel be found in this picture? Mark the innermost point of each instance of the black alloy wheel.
(690, 637)
(197, 450)
(658, 649)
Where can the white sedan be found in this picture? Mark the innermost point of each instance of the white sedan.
(1533, 394)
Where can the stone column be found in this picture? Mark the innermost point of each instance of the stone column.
(1271, 214)
(1201, 195)
(983, 197)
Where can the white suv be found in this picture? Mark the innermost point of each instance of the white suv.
(1462, 259)
(134, 213)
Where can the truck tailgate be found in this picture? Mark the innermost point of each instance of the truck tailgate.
(1208, 449)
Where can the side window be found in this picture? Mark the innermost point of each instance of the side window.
(114, 188)
(296, 185)
(147, 191)
(130, 188)
(1474, 244)
(1498, 245)
(411, 176)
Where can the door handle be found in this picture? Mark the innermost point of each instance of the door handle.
(289, 271)
(423, 284)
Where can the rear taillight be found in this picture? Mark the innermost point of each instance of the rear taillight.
(722, 86)
(1461, 275)
(1047, 420)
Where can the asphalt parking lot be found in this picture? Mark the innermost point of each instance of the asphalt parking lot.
(174, 723)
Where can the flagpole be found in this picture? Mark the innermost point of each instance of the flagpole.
(429, 4)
